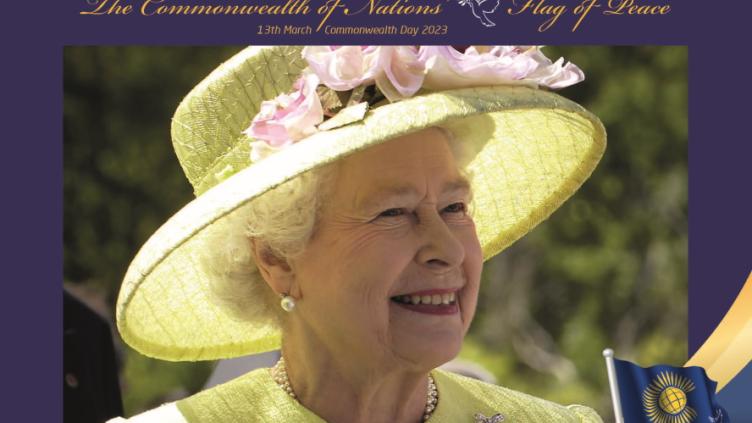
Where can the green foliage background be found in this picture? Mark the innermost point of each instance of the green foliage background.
(608, 269)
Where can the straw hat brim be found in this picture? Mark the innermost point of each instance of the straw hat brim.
(531, 150)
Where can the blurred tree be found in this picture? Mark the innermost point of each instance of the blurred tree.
(608, 269)
(122, 179)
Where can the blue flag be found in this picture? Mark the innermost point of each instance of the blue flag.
(666, 394)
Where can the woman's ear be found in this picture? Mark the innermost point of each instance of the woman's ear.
(274, 269)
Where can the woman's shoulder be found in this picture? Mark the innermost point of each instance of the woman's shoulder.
(474, 396)
(166, 413)
(252, 397)
(193, 408)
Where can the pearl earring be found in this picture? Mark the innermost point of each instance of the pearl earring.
(287, 303)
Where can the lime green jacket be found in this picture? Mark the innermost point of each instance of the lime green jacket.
(255, 397)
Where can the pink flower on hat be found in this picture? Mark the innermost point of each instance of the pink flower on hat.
(396, 70)
(448, 68)
(287, 118)
(554, 75)
(401, 72)
(343, 68)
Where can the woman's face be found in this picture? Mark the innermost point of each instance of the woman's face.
(394, 232)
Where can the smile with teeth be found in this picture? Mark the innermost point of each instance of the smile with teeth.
(435, 299)
(441, 302)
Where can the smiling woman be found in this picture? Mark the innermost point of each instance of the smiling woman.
(375, 243)
(333, 221)
(284, 220)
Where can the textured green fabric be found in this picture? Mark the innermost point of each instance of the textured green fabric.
(255, 397)
(207, 127)
(528, 151)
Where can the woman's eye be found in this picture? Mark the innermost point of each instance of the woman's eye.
(392, 213)
(456, 208)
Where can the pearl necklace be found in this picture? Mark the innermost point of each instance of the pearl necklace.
(279, 374)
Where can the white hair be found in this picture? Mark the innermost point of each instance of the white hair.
(283, 220)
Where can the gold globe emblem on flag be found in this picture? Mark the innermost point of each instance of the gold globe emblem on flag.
(672, 400)
(665, 399)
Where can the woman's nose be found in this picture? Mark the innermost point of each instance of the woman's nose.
(440, 249)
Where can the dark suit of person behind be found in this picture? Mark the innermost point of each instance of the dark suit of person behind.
(91, 392)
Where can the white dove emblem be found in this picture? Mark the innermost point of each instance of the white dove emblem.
(481, 9)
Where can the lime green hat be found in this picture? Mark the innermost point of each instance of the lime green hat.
(531, 150)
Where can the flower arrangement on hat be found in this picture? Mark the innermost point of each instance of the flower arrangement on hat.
(346, 200)
(356, 77)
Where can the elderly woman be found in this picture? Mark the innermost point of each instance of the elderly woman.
(347, 198)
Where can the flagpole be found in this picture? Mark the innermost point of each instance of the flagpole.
(608, 354)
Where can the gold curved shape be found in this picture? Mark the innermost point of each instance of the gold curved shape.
(729, 348)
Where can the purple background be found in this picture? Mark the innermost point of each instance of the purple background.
(720, 204)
